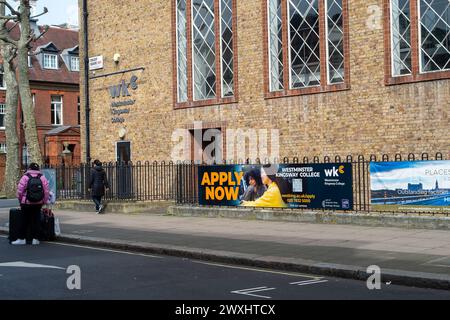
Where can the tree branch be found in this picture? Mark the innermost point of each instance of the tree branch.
(8, 40)
(45, 11)
(8, 17)
(13, 11)
(13, 55)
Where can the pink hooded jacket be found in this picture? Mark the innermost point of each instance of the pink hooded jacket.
(22, 188)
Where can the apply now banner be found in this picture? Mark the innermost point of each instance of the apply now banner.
(306, 186)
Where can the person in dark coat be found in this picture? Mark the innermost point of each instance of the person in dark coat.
(97, 185)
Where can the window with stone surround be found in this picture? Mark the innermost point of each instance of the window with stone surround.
(2, 116)
(418, 40)
(306, 46)
(3, 147)
(205, 63)
(56, 110)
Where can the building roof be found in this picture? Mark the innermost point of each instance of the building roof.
(63, 129)
(61, 39)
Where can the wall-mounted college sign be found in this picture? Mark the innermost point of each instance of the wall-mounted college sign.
(120, 107)
(307, 186)
(410, 186)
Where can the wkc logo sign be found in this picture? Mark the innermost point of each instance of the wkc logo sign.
(122, 88)
(334, 172)
(122, 107)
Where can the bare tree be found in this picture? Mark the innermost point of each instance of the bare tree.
(23, 47)
(8, 52)
(10, 49)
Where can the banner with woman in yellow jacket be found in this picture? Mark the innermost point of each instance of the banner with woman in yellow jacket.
(308, 186)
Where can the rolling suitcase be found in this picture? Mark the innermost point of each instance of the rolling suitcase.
(47, 232)
(16, 221)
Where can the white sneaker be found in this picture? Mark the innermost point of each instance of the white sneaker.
(35, 242)
(100, 209)
(19, 242)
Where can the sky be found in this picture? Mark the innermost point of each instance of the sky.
(59, 11)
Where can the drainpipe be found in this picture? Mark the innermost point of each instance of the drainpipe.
(86, 82)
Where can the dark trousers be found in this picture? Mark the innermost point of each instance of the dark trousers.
(97, 201)
(32, 221)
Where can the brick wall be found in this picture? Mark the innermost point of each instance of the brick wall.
(370, 118)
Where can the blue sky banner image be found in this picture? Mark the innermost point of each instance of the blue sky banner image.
(307, 186)
(413, 185)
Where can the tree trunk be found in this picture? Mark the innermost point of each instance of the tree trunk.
(30, 130)
(12, 171)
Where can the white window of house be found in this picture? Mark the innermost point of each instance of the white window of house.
(434, 35)
(29, 62)
(2, 147)
(75, 63)
(50, 61)
(57, 110)
(25, 156)
(2, 81)
(2, 116)
(79, 113)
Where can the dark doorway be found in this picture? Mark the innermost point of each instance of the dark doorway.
(207, 145)
(123, 153)
(124, 171)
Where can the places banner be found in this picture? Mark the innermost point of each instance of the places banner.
(307, 186)
(410, 186)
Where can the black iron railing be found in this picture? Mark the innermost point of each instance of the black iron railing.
(177, 182)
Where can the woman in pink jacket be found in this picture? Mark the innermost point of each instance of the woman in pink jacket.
(33, 191)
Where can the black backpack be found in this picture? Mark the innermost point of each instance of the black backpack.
(35, 189)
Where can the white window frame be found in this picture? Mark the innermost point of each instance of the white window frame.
(79, 110)
(3, 147)
(50, 65)
(54, 111)
(3, 112)
(3, 82)
(77, 64)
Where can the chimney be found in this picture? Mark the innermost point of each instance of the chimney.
(34, 27)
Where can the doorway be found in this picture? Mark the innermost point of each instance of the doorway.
(124, 170)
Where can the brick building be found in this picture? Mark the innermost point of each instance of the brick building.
(335, 77)
(54, 80)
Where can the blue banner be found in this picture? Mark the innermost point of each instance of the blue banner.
(410, 186)
(306, 186)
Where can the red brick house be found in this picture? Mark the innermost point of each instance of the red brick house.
(54, 80)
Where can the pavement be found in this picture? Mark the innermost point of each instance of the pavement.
(412, 257)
